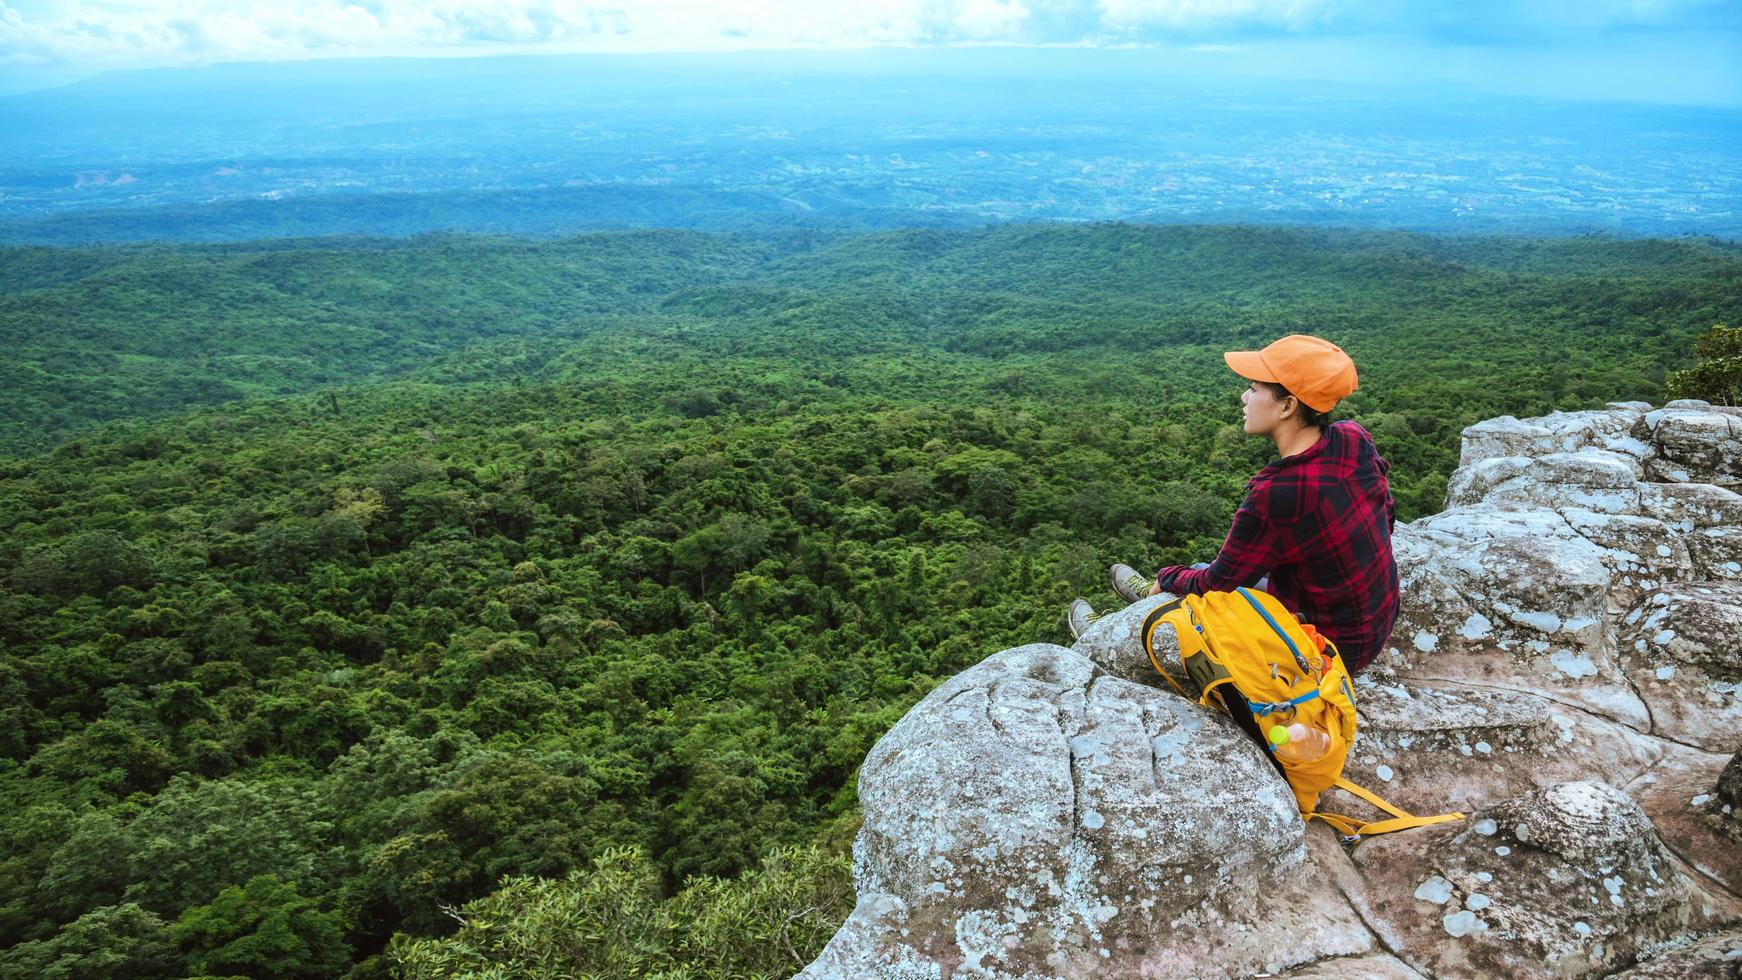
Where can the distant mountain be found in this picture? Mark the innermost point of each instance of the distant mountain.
(557, 145)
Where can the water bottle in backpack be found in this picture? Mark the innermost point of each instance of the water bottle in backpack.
(1299, 743)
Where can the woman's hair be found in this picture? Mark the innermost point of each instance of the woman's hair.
(1308, 414)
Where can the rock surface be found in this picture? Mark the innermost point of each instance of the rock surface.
(1568, 881)
(1726, 798)
(1022, 820)
(1681, 649)
(1566, 668)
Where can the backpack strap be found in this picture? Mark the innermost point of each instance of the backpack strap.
(1400, 820)
(1261, 708)
(1300, 661)
(1217, 685)
(1175, 613)
(1196, 658)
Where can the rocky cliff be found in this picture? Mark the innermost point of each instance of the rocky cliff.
(1566, 669)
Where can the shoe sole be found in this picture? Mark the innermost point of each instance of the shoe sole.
(1071, 624)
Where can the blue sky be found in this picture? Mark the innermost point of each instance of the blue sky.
(1683, 51)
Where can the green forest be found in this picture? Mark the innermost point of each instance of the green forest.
(506, 607)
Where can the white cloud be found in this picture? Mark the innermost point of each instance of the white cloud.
(1197, 15)
(999, 19)
(134, 33)
(200, 31)
(184, 32)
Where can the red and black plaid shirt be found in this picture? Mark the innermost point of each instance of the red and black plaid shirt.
(1319, 524)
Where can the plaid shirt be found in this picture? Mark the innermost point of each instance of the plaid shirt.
(1319, 523)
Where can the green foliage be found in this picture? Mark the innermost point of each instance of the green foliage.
(610, 921)
(263, 930)
(650, 541)
(198, 836)
(106, 333)
(113, 942)
(1717, 378)
(87, 562)
(96, 334)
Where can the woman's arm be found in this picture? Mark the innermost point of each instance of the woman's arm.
(1251, 551)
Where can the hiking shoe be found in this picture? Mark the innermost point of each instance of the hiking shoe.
(1130, 583)
(1080, 615)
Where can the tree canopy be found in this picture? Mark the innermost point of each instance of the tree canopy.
(530, 564)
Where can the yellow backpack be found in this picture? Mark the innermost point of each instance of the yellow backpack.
(1265, 667)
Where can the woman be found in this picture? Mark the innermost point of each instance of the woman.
(1317, 520)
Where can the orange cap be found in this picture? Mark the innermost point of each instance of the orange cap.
(1313, 369)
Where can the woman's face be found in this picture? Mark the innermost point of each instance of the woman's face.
(1262, 410)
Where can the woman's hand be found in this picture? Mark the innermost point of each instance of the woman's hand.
(1155, 588)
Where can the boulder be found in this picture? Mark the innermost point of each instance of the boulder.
(1694, 443)
(1431, 750)
(1554, 528)
(1591, 479)
(1612, 428)
(1035, 816)
(1716, 552)
(1566, 881)
(1508, 599)
(1681, 648)
(1683, 793)
(1114, 643)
